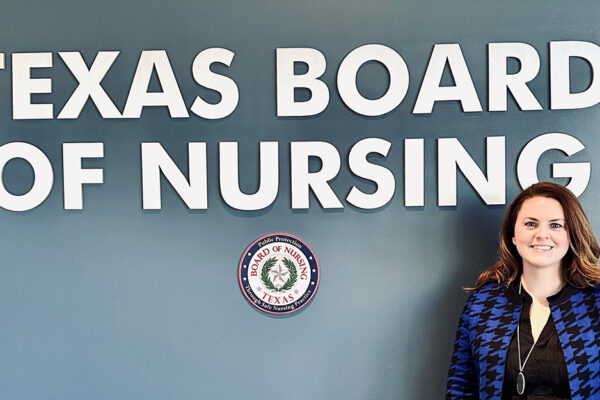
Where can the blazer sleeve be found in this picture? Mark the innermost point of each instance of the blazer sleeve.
(462, 378)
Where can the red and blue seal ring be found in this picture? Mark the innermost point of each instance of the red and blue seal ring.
(279, 273)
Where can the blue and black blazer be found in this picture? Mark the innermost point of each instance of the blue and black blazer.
(485, 330)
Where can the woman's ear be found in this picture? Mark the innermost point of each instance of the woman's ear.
(514, 241)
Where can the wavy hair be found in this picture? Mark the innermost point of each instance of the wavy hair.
(580, 264)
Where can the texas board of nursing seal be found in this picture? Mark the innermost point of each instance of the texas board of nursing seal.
(279, 273)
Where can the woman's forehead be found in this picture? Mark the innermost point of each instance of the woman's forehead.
(541, 208)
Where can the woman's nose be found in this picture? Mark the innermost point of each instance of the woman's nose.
(542, 232)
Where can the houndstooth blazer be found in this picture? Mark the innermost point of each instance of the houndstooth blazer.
(485, 330)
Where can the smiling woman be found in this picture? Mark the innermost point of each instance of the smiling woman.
(530, 327)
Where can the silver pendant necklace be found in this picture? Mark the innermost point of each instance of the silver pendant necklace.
(520, 376)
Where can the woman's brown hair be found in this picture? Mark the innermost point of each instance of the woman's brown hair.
(581, 261)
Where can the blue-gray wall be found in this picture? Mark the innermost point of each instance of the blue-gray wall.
(113, 302)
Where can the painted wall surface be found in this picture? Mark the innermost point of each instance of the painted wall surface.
(117, 302)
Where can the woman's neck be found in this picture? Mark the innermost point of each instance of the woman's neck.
(542, 283)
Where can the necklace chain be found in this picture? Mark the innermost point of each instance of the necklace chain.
(521, 377)
(521, 366)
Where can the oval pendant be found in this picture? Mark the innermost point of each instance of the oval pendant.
(520, 383)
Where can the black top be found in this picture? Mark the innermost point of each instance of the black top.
(545, 372)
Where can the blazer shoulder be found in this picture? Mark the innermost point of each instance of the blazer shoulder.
(491, 289)
(593, 292)
(596, 295)
(487, 297)
(586, 297)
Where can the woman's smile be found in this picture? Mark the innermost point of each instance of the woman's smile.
(540, 247)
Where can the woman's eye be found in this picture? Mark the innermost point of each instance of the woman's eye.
(555, 225)
(530, 224)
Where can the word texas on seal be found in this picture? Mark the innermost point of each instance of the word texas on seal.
(279, 273)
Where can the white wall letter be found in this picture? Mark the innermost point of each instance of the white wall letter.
(222, 84)
(287, 81)
(24, 85)
(561, 97)
(229, 177)
(579, 173)
(383, 177)
(303, 180)
(451, 154)
(156, 160)
(500, 82)
(42, 176)
(431, 91)
(139, 95)
(346, 79)
(89, 84)
(414, 173)
(74, 176)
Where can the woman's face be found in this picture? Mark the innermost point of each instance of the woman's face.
(541, 236)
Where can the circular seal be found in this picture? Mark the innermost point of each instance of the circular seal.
(279, 273)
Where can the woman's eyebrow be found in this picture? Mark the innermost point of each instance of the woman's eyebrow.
(552, 220)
